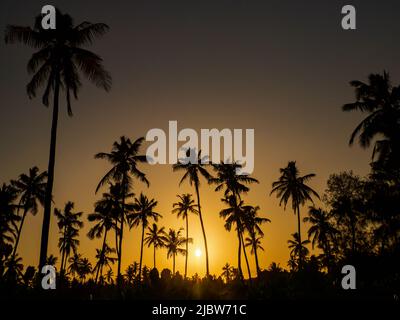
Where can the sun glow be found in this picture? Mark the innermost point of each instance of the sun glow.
(197, 253)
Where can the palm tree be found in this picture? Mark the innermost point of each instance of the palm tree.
(131, 272)
(75, 263)
(253, 224)
(293, 186)
(85, 268)
(105, 219)
(321, 231)
(51, 260)
(143, 211)
(193, 170)
(110, 276)
(182, 209)
(56, 66)
(173, 243)
(14, 268)
(254, 242)
(227, 272)
(31, 189)
(103, 259)
(234, 184)
(298, 248)
(69, 224)
(228, 179)
(124, 158)
(233, 215)
(155, 237)
(8, 214)
(381, 101)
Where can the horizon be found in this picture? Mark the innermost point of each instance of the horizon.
(205, 69)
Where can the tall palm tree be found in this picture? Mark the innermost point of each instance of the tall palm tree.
(56, 65)
(124, 158)
(182, 209)
(321, 231)
(234, 184)
(173, 243)
(105, 219)
(253, 224)
(143, 211)
(233, 216)
(69, 224)
(31, 189)
(155, 237)
(103, 259)
(194, 169)
(298, 248)
(381, 101)
(293, 186)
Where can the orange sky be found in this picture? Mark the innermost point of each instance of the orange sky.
(206, 69)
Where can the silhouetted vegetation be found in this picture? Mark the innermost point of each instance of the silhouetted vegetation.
(357, 223)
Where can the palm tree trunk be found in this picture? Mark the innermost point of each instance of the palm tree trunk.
(116, 237)
(62, 271)
(299, 231)
(187, 244)
(256, 258)
(239, 256)
(173, 264)
(119, 280)
(101, 255)
(141, 254)
(19, 234)
(202, 227)
(50, 176)
(245, 256)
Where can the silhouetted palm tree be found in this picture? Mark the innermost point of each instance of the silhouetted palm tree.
(74, 263)
(105, 217)
(56, 66)
(110, 276)
(131, 272)
(85, 268)
(298, 248)
(31, 190)
(381, 101)
(253, 224)
(182, 209)
(69, 224)
(227, 272)
(8, 215)
(228, 179)
(234, 184)
(321, 231)
(143, 211)
(51, 260)
(103, 259)
(234, 216)
(155, 237)
(124, 158)
(293, 186)
(174, 241)
(194, 168)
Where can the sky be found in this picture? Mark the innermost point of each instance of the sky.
(281, 68)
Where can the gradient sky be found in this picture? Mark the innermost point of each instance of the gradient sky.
(280, 67)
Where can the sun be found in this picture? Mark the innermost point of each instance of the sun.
(197, 253)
